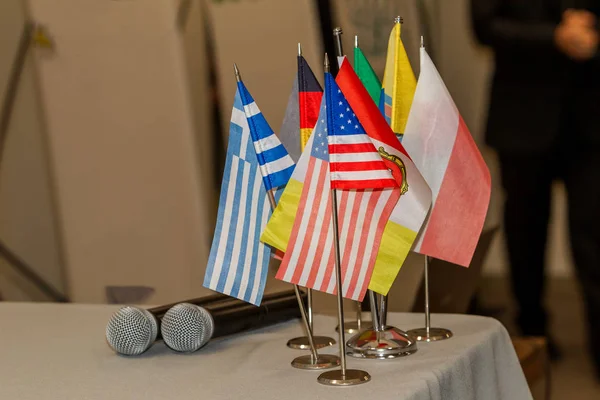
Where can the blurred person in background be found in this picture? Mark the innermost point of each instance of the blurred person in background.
(544, 123)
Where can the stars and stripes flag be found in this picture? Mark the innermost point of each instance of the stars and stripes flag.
(238, 261)
(362, 211)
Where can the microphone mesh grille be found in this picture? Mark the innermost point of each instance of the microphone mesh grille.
(131, 330)
(187, 327)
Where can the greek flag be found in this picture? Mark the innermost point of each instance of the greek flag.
(238, 261)
(276, 164)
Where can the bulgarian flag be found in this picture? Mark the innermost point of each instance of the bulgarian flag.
(409, 214)
(443, 150)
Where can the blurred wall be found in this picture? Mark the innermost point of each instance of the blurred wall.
(28, 223)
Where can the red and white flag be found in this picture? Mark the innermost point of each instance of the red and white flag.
(443, 150)
(339, 155)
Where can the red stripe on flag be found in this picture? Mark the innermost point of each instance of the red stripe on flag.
(329, 275)
(351, 148)
(371, 183)
(283, 268)
(365, 109)
(385, 216)
(458, 214)
(364, 235)
(320, 170)
(349, 166)
(350, 232)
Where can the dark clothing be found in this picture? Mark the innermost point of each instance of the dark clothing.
(533, 83)
(544, 121)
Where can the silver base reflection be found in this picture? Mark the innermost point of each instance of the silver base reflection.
(323, 361)
(301, 343)
(434, 334)
(352, 377)
(386, 344)
(351, 327)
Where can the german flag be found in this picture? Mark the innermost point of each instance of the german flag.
(310, 93)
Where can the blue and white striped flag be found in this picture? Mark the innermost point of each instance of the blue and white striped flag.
(276, 164)
(238, 261)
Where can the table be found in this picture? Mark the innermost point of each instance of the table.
(58, 351)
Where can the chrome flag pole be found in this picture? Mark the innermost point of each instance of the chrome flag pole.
(352, 326)
(303, 342)
(314, 360)
(342, 376)
(380, 341)
(429, 334)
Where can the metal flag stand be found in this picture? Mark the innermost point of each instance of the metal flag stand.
(381, 341)
(342, 376)
(314, 360)
(350, 327)
(303, 342)
(429, 334)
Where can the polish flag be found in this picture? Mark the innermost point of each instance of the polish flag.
(443, 150)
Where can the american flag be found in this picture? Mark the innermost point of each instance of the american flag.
(354, 161)
(362, 215)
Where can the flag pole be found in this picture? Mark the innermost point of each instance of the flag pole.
(302, 343)
(314, 360)
(428, 334)
(342, 376)
(354, 326)
(381, 341)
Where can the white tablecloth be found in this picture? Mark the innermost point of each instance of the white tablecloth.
(53, 351)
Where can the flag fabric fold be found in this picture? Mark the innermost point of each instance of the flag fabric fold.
(276, 165)
(238, 261)
(411, 209)
(444, 151)
(367, 75)
(399, 83)
(289, 133)
(362, 214)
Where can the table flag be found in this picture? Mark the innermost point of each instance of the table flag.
(309, 259)
(238, 261)
(444, 151)
(411, 209)
(399, 83)
(302, 110)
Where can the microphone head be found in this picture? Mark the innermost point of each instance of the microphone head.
(131, 330)
(187, 327)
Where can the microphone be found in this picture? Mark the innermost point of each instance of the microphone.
(188, 327)
(132, 330)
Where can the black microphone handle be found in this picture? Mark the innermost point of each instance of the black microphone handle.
(242, 316)
(160, 311)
